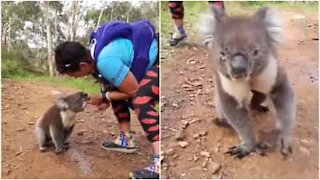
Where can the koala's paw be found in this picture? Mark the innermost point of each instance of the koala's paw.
(59, 151)
(66, 146)
(43, 148)
(275, 137)
(286, 148)
(242, 150)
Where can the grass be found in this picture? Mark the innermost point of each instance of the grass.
(14, 66)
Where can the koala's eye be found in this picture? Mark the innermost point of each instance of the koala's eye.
(256, 52)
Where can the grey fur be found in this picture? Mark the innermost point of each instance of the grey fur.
(58, 122)
(247, 74)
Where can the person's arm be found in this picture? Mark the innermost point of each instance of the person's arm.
(127, 89)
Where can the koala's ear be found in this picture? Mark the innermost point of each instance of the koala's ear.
(62, 104)
(209, 22)
(272, 22)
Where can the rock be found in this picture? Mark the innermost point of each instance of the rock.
(194, 120)
(205, 163)
(195, 136)
(217, 149)
(205, 154)
(203, 133)
(31, 123)
(304, 142)
(80, 133)
(304, 151)
(195, 158)
(175, 105)
(23, 107)
(214, 167)
(183, 144)
(21, 129)
(180, 135)
(175, 156)
(169, 152)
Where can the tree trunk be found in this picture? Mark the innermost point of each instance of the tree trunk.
(49, 40)
(112, 9)
(8, 38)
(101, 12)
(72, 21)
(129, 12)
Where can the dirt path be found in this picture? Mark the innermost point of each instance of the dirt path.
(187, 96)
(24, 102)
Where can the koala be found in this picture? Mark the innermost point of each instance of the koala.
(58, 122)
(247, 75)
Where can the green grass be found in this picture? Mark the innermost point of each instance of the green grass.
(14, 66)
(284, 5)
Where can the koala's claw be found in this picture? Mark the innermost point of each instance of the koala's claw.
(285, 150)
(59, 151)
(66, 146)
(241, 151)
(238, 151)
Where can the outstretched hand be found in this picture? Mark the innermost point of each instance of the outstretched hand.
(96, 100)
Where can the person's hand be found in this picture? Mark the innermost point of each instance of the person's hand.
(103, 106)
(95, 100)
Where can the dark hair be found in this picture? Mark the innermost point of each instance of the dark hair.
(68, 56)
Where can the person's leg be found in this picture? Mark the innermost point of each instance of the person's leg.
(144, 105)
(124, 142)
(177, 15)
(217, 4)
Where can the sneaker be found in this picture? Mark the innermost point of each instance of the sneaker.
(149, 172)
(123, 143)
(178, 37)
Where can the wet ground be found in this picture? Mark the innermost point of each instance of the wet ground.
(24, 102)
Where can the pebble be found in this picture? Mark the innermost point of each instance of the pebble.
(175, 156)
(205, 163)
(169, 152)
(180, 136)
(183, 144)
(304, 141)
(205, 154)
(195, 136)
(305, 151)
(203, 133)
(195, 158)
(31, 123)
(214, 167)
(21, 129)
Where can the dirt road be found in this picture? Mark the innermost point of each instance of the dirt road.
(187, 97)
(24, 102)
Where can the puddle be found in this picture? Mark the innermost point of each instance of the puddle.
(80, 158)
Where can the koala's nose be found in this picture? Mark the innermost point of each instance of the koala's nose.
(239, 65)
